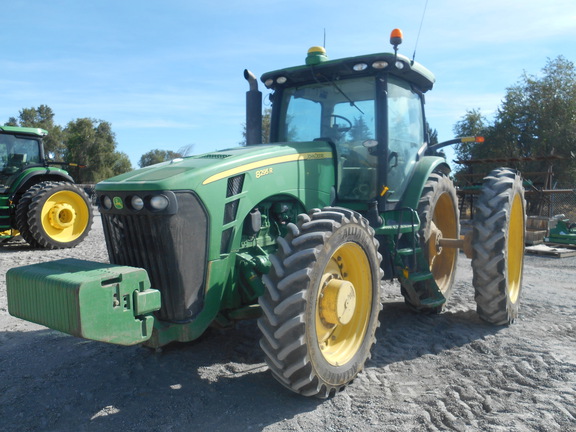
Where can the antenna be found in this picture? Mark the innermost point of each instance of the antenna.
(324, 46)
(419, 29)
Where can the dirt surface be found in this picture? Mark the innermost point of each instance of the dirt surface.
(427, 373)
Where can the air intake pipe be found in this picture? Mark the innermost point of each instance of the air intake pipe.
(253, 110)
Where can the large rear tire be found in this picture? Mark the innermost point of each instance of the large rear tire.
(59, 216)
(22, 223)
(439, 217)
(321, 302)
(498, 245)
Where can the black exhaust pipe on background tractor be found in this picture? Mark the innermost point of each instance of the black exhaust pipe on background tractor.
(253, 110)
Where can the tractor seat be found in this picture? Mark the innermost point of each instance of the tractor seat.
(15, 163)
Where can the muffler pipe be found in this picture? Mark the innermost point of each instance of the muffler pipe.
(253, 110)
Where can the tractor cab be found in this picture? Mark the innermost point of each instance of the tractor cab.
(370, 109)
(20, 148)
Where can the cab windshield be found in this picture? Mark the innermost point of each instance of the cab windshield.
(343, 113)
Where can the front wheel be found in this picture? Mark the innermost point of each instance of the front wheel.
(59, 215)
(321, 302)
(498, 245)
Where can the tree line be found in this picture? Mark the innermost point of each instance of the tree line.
(535, 125)
(87, 142)
(84, 141)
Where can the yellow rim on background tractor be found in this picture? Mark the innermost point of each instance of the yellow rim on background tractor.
(344, 304)
(444, 224)
(10, 233)
(515, 249)
(65, 216)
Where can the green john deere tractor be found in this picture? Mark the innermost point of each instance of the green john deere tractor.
(38, 201)
(299, 232)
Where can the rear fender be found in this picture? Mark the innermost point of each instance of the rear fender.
(426, 166)
(36, 175)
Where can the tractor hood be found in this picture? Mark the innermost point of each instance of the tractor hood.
(191, 173)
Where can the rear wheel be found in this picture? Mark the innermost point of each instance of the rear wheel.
(22, 223)
(498, 244)
(439, 217)
(59, 216)
(321, 302)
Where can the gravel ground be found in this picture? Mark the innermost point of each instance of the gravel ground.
(427, 373)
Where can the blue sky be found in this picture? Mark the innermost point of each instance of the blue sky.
(168, 74)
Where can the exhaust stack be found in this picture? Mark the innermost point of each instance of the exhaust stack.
(253, 110)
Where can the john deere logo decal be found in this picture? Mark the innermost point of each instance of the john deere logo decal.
(118, 203)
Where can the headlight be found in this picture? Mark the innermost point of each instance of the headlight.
(106, 202)
(136, 203)
(380, 64)
(159, 202)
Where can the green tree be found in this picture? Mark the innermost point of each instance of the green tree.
(359, 130)
(432, 135)
(537, 118)
(42, 117)
(473, 123)
(92, 143)
(156, 156)
(121, 163)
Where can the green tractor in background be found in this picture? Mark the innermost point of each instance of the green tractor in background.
(38, 201)
(299, 232)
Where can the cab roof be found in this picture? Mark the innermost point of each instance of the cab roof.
(15, 130)
(364, 65)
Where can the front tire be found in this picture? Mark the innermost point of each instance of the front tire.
(498, 244)
(321, 302)
(59, 216)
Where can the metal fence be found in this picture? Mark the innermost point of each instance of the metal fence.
(551, 203)
(564, 203)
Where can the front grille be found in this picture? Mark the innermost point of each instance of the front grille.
(172, 248)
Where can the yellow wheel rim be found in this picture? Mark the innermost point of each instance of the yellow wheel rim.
(344, 304)
(65, 216)
(443, 224)
(515, 249)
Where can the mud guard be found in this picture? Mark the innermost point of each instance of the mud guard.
(426, 166)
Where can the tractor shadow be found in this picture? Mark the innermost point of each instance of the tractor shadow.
(52, 381)
(405, 334)
(16, 244)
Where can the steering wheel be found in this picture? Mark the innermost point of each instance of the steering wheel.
(341, 129)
